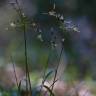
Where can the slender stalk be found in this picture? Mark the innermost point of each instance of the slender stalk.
(26, 59)
(57, 69)
(25, 45)
(51, 86)
(43, 81)
(23, 26)
(15, 72)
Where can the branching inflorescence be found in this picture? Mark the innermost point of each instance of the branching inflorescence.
(23, 24)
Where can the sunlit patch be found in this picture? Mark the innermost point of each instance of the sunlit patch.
(12, 24)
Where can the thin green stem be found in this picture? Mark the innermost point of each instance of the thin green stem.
(14, 69)
(57, 69)
(23, 26)
(26, 59)
(46, 66)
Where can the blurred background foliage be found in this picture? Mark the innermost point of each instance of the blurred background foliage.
(79, 47)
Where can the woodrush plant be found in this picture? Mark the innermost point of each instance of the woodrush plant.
(23, 24)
